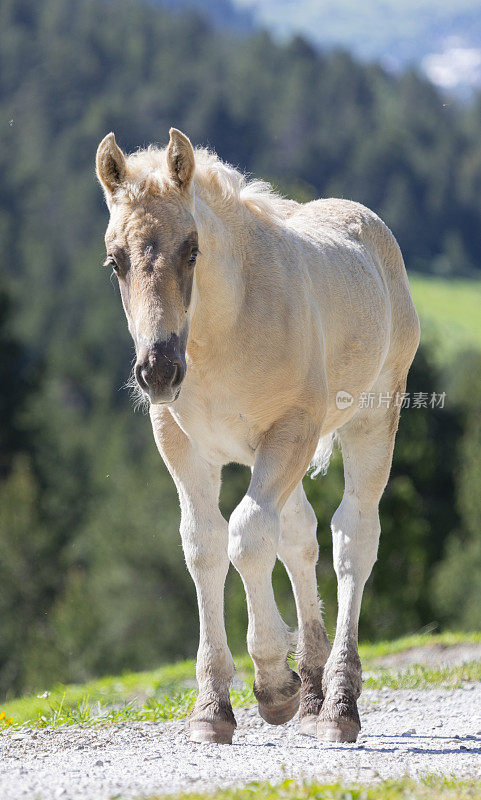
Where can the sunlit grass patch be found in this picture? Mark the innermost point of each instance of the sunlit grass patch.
(88, 713)
(418, 676)
(449, 311)
(429, 788)
(371, 651)
(168, 693)
(135, 697)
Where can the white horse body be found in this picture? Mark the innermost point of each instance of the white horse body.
(325, 260)
(291, 306)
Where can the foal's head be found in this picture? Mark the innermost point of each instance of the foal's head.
(152, 247)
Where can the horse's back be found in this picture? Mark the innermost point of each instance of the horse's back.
(361, 257)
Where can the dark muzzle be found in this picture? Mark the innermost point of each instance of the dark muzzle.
(160, 370)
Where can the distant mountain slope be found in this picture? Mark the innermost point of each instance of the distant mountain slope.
(405, 31)
(443, 37)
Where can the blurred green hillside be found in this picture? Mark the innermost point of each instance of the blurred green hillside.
(92, 578)
(450, 312)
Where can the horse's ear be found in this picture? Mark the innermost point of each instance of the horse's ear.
(180, 159)
(110, 163)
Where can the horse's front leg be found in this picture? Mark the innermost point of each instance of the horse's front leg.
(254, 532)
(204, 535)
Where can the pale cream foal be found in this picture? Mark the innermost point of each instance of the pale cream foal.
(258, 322)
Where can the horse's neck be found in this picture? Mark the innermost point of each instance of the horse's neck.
(220, 278)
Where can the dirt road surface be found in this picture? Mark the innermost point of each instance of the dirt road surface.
(404, 733)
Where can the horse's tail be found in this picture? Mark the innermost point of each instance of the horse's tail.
(322, 456)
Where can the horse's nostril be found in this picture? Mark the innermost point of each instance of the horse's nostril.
(140, 377)
(159, 374)
(178, 373)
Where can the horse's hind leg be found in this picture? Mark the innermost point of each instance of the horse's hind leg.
(298, 549)
(367, 445)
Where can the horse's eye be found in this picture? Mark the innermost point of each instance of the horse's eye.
(193, 256)
(111, 262)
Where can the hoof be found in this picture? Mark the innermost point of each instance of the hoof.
(341, 730)
(219, 732)
(282, 712)
(308, 725)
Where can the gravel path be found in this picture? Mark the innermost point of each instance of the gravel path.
(404, 733)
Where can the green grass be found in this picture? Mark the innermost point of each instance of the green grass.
(418, 676)
(449, 312)
(428, 788)
(169, 692)
(372, 652)
(421, 677)
(161, 694)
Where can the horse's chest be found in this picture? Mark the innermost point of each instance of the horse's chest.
(221, 435)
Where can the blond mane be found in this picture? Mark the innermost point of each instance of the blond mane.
(214, 181)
